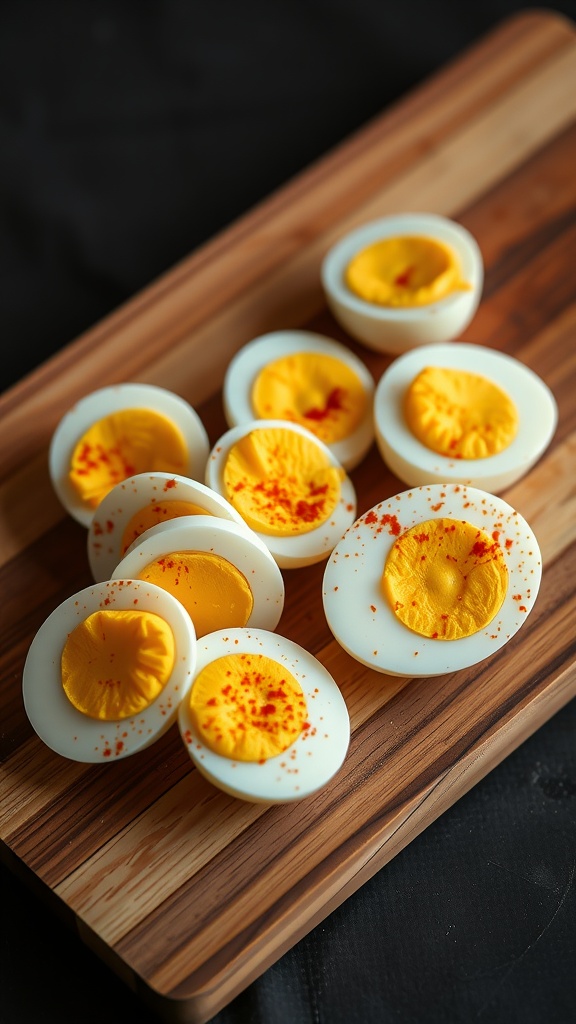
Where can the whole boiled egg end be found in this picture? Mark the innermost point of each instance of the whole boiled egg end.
(403, 281)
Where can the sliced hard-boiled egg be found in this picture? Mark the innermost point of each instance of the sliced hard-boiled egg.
(136, 505)
(288, 487)
(118, 432)
(305, 378)
(106, 671)
(404, 280)
(221, 573)
(432, 580)
(263, 720)
(462, 413)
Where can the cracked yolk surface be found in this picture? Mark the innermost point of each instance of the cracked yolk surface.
(281, 482)
(115, 663)
(316, 390)
(121, 445)
(445, 579)
(405, 271)
(213, 591)
(247, 707)
(460, 414)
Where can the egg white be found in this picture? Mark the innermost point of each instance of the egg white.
(359, 615)
(55, 719)
(253, 357)
(129, 497)
(306, 765)
(221, 537)
(306, 548)
(415, 464)
(103, 402)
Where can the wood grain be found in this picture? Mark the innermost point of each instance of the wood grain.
(185, 892)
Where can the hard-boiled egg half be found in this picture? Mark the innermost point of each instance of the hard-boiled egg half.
(221, 573)
(118, 432)
(106, 671)
(404, 280)
(305, 378)
(141, 502)
(288, 487)
(264, 720)
(462, 413)
(431, 580)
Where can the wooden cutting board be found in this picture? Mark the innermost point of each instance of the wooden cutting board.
(187, 893)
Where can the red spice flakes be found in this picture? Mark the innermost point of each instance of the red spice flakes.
(509, 543)
(334, 403)
(522, 608)
(392, 522)
(169, 485)
(372, 607)
(402, 279)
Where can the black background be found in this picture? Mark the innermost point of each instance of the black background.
(129, 134)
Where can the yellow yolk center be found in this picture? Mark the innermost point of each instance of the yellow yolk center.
(115, 663)
(158, 512)
(459, 414)
(405, 271)
(247, 707)
(445, 579)
(281, 482)
(316, 390)
(214, 592)
(121, 445)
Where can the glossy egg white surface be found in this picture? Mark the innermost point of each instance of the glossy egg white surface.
(395, 330)
(253, 357)
(359, 615)
(415, 464)
(57, 722)
(218, 536)
(103, 402)
(131, 496)
(306, 548)
(305, 766)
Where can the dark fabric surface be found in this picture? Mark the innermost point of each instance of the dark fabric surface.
(130, 133)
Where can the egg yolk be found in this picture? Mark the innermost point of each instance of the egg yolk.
(213, 591)
(316, 390)
(158, 512)
(405, 271)
(120, 445)
(281, 482)
(247, 707)
(445, 579)
(115, 663)
(460, 414)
